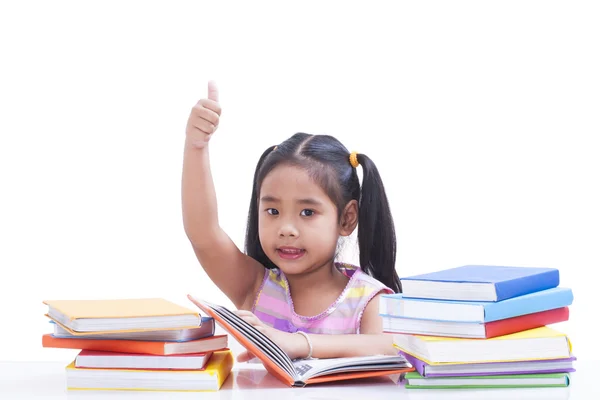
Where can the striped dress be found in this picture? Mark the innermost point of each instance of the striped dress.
(273, 304)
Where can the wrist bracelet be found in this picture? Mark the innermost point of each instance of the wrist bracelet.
(310, 347)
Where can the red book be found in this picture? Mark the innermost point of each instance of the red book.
(525, 322)
(474, 330)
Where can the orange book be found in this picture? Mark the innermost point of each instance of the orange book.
(300, 373)
(211, 343)
(87, 317)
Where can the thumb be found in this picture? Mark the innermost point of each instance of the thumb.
(213, 92)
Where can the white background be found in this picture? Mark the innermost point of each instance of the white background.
(481, 117)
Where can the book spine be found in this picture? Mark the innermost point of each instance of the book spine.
(527, 284)
(210, 321)
(415, 362)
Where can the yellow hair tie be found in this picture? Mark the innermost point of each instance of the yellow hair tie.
(354, 159)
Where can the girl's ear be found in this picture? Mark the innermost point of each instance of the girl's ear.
(349, 218)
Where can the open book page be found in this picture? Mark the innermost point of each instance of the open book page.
(260, 340)
(316, 367)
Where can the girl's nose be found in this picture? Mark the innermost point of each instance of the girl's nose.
(288, 229)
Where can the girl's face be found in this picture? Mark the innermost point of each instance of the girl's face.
(297, 222)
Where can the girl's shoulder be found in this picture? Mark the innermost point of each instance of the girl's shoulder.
(274, 282)
(360, 283)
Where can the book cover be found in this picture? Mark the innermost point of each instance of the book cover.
(206, 329)
(211, 378)
(397, 305)
(474, 330)
(480, 282)
(112, 360)
(416, 381)
(494, 368)
(534, 344)
(211, 343)
(526, 322)
(86, 317)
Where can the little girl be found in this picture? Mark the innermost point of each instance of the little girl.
(306, 195)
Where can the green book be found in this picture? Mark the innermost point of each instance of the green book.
(416, 381)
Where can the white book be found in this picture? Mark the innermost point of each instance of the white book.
(105, 359)
(534, 344)
(210, 378)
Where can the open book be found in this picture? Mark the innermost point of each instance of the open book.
(301, 372)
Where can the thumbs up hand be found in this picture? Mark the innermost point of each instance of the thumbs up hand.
(204, 118)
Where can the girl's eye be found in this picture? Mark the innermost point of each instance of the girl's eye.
(307, 213)
(272, 211)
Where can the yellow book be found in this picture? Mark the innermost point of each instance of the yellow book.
(86, 317)
(542, 343)
(211, 378)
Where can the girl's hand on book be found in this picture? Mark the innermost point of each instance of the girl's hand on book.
(204, 118)
(293, 345)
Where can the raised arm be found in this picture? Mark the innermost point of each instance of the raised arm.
(235, 273)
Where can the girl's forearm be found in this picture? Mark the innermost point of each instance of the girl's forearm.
(332, 346)
(199, 200)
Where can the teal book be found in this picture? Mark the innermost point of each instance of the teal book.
(399, 306)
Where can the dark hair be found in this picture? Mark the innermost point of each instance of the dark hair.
(327, 162)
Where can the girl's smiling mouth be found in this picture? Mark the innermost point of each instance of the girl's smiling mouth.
(290, 253)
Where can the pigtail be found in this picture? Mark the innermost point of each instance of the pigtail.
(252, 245)
(376, 233)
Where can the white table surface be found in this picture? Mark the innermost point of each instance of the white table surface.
(32, 380)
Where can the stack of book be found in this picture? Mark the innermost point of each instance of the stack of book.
(138, 344)
(479, 326)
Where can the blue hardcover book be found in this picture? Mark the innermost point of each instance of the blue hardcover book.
(399, 306)
(480, 283)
